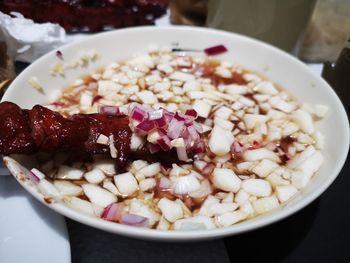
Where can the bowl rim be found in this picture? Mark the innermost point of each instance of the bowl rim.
(153, 234)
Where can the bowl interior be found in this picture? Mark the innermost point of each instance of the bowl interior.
(253, 55)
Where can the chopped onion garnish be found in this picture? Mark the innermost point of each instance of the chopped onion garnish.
(138, 114)
(199, 147)
(153, 148)
(165, 183)
(112, 148)
(134, 220)
(165, 143)
(35, 175)
(146, 126)
(182, 154)
(161, 122)
(113, 212)
(175, 128)
(192, 113)
(208, 169)
(155, 115)
(215, 50)
(109, 110)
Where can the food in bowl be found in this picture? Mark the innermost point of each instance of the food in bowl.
(211, 144)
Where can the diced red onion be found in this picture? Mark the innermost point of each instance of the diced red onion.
(138, 114)
(165, 170)
(161, 122)
(155, 115)
(208, 169)
(109, 110)
(96, 98)
(215, 50)
(236, 148)
(182, 154)
(175, 128)
(198, 127)
(192, 113)
(179, 116)
(168, 115)
(134, 220)
(34, 175)
(199, 147)
(164, 143)
(153, 148)
(165, 183)
(146, 126)
(193, 133)
(113, 212)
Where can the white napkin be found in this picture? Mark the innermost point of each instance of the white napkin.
(26, 40)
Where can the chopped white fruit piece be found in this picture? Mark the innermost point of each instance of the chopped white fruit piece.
(113, 151)
(179, 142)
(265, 204)
(244, 166)
(220, 141)
(260, 154)
(252, 120)
(275, 178)
(230, 218)
(227, 125)
(98, 195)
(142, 60)
(171, 210)
(221, 208)
(86, 99)
(228, 198)
(107, 87)
(191, 85)
(147, 97)
(149, 170)
(202, 108)
(141, 209)
(319, 140)
(275, 114)
(67, 188)
(304, 121)
(223, 112)
(237, 105)
(95, 176)
(289, 129)
(247, 208)
(153, 137)
(301, 157)
(71, 173)
(147, 184)
(195, 223)
(48, 189)
(163, 224)
(241, 197)
(80, 205)
(106, 165)
(284, 106)
(138, 165)
(321, 110)
(264, 168)
(102, 139)
(285, 192)
(257, 187)
(166, 68)
(178, 171)
(107, 184)
(136, 141)
(312, 164)
(223, 72)
(300, 179)
(207, 203)
(178, 75)
(266, 87)
(98, 210)
(186, 184)
(236, 89)
(226, 179)
(247, 102)
(126, 183)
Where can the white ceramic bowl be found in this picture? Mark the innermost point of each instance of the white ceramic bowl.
(278, 66)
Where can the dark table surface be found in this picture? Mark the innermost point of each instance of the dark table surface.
(318, 233)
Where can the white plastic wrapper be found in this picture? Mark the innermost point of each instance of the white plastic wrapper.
(26, 40)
